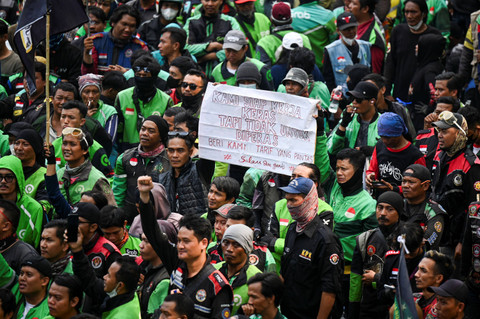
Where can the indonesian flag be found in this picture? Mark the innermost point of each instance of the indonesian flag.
(284, 222)
(341, 59)
(130, 111)
(350, 213)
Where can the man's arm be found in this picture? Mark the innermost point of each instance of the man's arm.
(120, 182)
(326, 305)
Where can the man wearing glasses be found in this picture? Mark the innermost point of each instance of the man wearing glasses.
(455, 176)
(139, 102)
(358, 127)
(193, 88)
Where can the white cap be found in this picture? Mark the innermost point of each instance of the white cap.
(292, 40)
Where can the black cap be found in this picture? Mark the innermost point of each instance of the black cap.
(346, 20)
(15, 128)
(364, 90)
(419, 171)
(39, 263)
(452, 288)
(88, 211)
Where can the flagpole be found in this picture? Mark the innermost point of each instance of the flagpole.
(47, 76)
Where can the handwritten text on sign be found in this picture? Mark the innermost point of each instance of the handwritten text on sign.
(255, 128)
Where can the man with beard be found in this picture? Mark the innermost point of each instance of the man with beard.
(139, 102)
(369, 256)
(421, 209)
(456, 175)
(255, 25)
(193, 88)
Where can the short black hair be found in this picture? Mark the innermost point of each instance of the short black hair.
(114, 80)
(444, 76)
(112, 216)
(173, 111)
(137, 54)
(149, 62)
(74, 286)
(76, 105)
(8, 303)
(129, 272)
(41, 68)
(184, 64)
(60, 225)
(241, 212)
(97, 13)
(229, 185)
(188, 139)
(3, 27)
(471, 114)
(199, 73)
(376, 78)
(187, 118)
(443, 264)
(354, 156)
(201, 227)
(183, 305)
(272, 285)
(98, 197)
(10, 211)
(370, 3)
(177, 35)
(315, 176)
(120, 11)
(450, 100)
(302, 58)
(413, 236)
(84, 316)
(66, 87)
(422, 4)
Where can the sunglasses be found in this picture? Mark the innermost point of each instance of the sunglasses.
(141, 68)
(192, 86)
(76, 132)
(7, 177)
(180, 134)
(359, 99)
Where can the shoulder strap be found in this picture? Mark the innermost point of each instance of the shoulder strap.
(247, 33)
(280, 37)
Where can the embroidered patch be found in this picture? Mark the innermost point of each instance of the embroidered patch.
(308, 255)
(476, 186)
(130, 111)
(226, 313)
(438, 226)
(271, 182)
(476, 265)
(472, 210)
(371, 250)
(29, 188)
(350, 213)
(128, 53)
(284, 221)
(457, 180)
(201, 295)
(334, 259)
(96, 262)
(253, 259)
(133, 161)
(476, 250)
(394, 271)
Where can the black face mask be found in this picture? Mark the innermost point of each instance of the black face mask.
(354, 185)
(145, 87)
(172, 83)
(192, 102)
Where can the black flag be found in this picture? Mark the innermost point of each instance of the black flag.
(31, 30)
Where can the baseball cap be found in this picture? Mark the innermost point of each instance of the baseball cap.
(39, 263)
(292, 40)
(297, 75)
(448, 120)
(281, 12)
(419, 171)
(346, 20)
(451, 288)
(234, 40)
(88, 211)
(364, 90)
(299, 185)
(223, 210)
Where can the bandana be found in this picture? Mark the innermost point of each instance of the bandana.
(59, 266)
(90, 79)
(306, 211)
(391, 125)
(460, 141)
(150, 154)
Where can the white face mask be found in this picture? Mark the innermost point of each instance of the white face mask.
(12, 148)
(248, 86)
(169, 13)
(348, 41)
(114, 292)
(417, 26)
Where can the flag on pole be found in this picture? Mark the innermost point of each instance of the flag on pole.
(404, 307)
(31, 30)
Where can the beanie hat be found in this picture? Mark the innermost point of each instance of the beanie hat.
(90, 79)
(394, 199)
(162, 126)
(248, 71)
(242, 234)
(281, 13)
(35, 140)
(39, 263)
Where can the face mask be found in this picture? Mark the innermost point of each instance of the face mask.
(145, 86)
(417, 26)
(114, 292)
(172, 83)
(348, 41)
(169, 14)
(248, 86)
(12, 149)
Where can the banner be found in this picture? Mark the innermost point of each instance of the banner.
(255, 128)
(31, 30)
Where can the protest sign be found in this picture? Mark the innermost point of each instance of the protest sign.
(255, 128)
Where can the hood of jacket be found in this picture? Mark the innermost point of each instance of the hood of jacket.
(14, 164)
(430, 48)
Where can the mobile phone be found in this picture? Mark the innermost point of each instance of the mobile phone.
(377, 184)
(72, 227)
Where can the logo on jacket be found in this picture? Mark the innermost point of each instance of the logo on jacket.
(306, 255)
(476, 250)
(96, 262)
(476, 186)
(457, 180)
(253, 259)
(128, 53)
(350, 213)
(334, 259)
(201, 295)
(371, 250)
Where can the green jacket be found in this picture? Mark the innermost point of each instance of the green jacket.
(32, 184)
(31, 212)
(158, 295)
(9, 281)
(318, 24)
(131, 247)
(336, 142)
(247, 189)
(4, 146)
(128, 124)
(104, 112)
(238, 283)
(129, 310)
(222, 75)
(255, 32)
(267, 46)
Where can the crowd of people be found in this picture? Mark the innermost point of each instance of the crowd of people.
(119, 216)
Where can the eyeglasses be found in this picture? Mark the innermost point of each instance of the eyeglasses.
(76, 132)
(7, 177)
(192, 86)
(180, 134)
(141, 68)
(450, 119)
